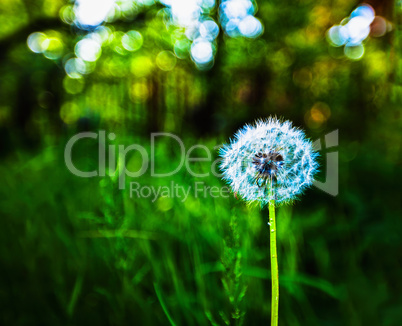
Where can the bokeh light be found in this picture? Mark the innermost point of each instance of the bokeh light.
(379, 27)
(117, 42)
(355, 29)
(76, 67)
(132, 41)
(237, 18)
(199, 27)
(139, 91)
(354, 51)
(181, 48)
(73, 85)
(53, 48)
(141, 66)
(70, 112)
(102, 34)
(337, 35)
(250, 27)
(303, 77)
(202, 52)
(236, 9)
(185, 12)
(166, 60)
(71, 68)
(317, 116)
(48, 43)
(364, 11)
(209, 30)
(67, 14)
(36, 41)
(89, 13)
(88, 49)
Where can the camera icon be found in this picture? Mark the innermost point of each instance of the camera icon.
(331, 184)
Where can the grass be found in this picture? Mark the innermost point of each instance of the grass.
(80, 251)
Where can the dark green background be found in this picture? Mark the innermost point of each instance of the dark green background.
(80, 251)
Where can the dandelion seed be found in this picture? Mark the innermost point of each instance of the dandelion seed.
(269, 154)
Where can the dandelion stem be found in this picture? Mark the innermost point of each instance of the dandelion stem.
(274, 262)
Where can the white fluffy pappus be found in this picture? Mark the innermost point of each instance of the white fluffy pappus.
(269, 153)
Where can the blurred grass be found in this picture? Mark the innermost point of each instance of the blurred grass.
(77, 251)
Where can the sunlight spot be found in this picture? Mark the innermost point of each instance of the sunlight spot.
(132, 41)
(378, 27)
(70, 112)
(101, 34)
(192, 17)
(88, 50)
(67, 14)
(184, 12)
(202, 51)
(139, 92)
(337, 35)
(71, 68)
(76, 67)
(181, 48)
(354, 30)
(166, 60)
(364, 11)
(92, 12)
(73, 85)
(354, 51)
(141, 66)
(358, 28)
(53, 48)
(237, 18)
(36, 42)
(209, 30)
(237, 8)
(250, 27)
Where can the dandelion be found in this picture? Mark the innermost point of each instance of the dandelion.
(269, 154)
(271, 163)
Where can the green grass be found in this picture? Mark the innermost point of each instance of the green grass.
(80, 251)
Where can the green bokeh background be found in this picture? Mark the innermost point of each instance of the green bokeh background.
(80, 251)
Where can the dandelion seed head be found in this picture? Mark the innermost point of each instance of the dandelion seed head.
(269, 153)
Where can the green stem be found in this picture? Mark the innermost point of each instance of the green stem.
(274, 265)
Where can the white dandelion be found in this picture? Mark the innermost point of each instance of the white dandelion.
(270, 160)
